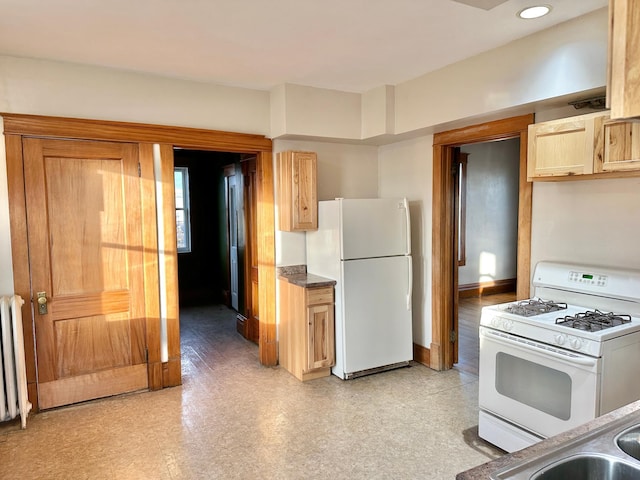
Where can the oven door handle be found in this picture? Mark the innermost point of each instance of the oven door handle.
(512, 341)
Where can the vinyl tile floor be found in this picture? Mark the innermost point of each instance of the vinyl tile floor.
(235, 419)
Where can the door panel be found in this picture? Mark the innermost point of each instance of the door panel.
(232, 213)
(85, 245)
(376, 316)
(251, 248)
(374, 228)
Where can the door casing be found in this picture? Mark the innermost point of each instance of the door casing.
(440, 355)
(161, 374)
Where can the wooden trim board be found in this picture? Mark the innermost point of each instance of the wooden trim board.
(487, 288)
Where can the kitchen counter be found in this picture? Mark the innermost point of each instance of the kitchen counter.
(297, 275)
(485, 470)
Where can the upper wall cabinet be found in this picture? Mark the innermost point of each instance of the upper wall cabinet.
(561, 147)
(297, 191)
(623, 92)
(585, 146)
(617, 145)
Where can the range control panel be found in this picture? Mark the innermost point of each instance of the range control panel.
(588, 278)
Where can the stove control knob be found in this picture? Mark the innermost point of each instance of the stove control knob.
(576, 343)
(495, 322)
(507, 325)
(560, 338)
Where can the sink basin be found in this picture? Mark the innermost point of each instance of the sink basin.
(608, 452)
(629, 442)
(589, 467)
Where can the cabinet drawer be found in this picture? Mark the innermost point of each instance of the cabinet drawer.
(318, 296)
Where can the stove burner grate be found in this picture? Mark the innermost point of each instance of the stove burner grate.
(593, 320)
(534, 306)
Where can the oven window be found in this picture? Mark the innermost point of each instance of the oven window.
(540, 387)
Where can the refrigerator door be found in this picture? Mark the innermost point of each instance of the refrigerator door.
(376, 227)
(376, 313)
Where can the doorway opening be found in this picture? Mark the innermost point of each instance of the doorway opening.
(214, 272)
(487, 236)
(443, 351)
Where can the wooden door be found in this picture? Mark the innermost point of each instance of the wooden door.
(320, 336)
(85, 249)
(232, 225)
(251, 289)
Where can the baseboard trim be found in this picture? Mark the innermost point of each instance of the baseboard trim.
(421, 355)
(242, 326)
(487, 288)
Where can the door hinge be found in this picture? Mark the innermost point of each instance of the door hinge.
(453, 336)
(146, 354)
(139, 170)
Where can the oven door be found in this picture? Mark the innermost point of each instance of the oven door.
(544, 389)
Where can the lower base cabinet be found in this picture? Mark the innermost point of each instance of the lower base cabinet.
(306, 335)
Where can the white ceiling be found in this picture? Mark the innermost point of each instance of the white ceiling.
(351, 45)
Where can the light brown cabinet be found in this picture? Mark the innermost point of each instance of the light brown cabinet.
(623, 86)
(561, 147)
(617, 146)
(297, 191)
(306, 334)
(585, 146)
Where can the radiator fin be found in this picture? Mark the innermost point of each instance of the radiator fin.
(13, 376)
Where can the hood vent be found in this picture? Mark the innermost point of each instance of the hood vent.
(596, 103)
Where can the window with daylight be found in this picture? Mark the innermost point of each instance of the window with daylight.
(183, 220)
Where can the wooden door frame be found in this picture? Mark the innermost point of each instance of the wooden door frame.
(17, 126)
(444, 260)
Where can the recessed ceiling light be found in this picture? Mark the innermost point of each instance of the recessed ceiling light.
(534, 12)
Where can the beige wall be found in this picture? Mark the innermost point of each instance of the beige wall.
(6, 270)
(593, 222)
(68, 90)
(568, 58)
(492, 212)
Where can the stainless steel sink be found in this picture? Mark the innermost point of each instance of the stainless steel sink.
(610, 452)
(629, 442)
(589, 467)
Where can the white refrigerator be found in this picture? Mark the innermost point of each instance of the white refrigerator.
(365, 246)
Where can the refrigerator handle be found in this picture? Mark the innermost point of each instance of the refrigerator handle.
(406, 211)
(409, 292)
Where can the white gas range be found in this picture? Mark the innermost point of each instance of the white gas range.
(562, 358)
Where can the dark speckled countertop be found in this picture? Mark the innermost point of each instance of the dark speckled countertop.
(486, 469)
(297, 275)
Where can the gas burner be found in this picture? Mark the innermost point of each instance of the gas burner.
(593, 321)
(534, 306)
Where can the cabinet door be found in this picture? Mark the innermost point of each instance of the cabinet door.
(321, 348)
(297, 194)
(304, 196)
(561, 147)
(624, 61)
(618, 146)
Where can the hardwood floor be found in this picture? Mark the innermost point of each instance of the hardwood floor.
(469, 310)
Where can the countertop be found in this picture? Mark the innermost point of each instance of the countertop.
(297, 275)
(486, 469)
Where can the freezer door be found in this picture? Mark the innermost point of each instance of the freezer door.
(376, 307)
(375, 228)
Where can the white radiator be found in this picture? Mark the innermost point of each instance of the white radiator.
(13, 373)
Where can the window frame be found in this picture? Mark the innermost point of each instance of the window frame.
(186, 208)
